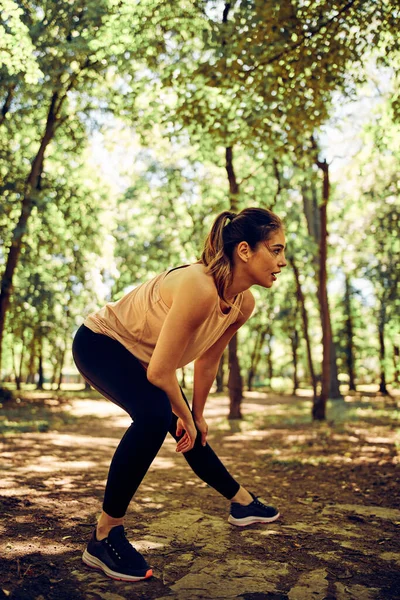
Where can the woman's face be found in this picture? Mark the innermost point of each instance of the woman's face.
(268, 260)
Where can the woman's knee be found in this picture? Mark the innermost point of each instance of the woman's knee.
(155, 415)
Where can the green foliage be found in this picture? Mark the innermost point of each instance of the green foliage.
(16, 49)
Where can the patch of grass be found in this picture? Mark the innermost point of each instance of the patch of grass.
(25, 417)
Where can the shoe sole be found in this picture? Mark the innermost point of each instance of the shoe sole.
(95, 563)
(250, 520)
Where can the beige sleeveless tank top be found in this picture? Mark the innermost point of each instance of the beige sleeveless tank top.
(136, 320)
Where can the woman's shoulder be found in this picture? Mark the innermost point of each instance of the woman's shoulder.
(192, 280)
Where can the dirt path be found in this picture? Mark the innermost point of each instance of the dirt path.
(336, 486)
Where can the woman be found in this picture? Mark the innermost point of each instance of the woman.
(130, 350)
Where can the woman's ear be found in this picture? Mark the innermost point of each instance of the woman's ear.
(243, 251)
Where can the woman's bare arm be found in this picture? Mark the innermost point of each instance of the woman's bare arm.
(192, 303)
(206, 366)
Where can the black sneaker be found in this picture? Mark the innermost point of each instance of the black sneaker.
(255, 512)
(116, 557)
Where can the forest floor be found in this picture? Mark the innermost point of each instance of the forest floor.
(336, 485)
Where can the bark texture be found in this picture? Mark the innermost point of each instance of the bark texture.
(349, 336)
(319, 407)
(32, 188)
(304, 315)
(235, 383)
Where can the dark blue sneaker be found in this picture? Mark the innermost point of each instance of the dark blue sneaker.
(255, 512)
(116, 557)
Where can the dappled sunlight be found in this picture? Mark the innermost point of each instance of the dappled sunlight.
(242, 437)
(76, 440)
(263, 532)
(161, 462)
(99, 408)
(53, 486)
(10, 487)
(304, 393)
(45, 547)
(143, 545)
(50, 464)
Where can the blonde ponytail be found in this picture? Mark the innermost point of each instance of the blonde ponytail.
(215, 257)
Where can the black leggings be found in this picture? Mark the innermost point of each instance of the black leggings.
(119, 376)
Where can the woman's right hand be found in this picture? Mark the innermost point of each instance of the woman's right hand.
(186, 443)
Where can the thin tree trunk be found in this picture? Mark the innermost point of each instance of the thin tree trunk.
(349, 335)
(15, 368)
(254, 358)
(311, 212)
(32, 357)
(235, 384)
(250, 377)
(31, 189)
(316, 217)
(220, 374)
(61, 366)
(382, 350)
(295, 345)
(319, 407)
(396, 364)
(269, 357)
(183, 381)
(278, 182)
(334, 389)
(40, 366)
(7, 102)
(300, 297)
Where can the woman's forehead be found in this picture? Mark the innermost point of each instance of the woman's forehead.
(277, 239)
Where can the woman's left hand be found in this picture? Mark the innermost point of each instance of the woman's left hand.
(202, 426)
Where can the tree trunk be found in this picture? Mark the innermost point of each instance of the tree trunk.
(349, 336)
(250, 377)
(268, 337)
(183, 381)
(382, 349)
(334, 389)
(31, 189)
(235, 384)
(220, 374)
(40, 367)
(61, 366)
(396, 364)
(311, 212)
(319, 408)
(7, 102)
(255, 357)
(32, 359)
(295, 345)
(233, 184)
(300, 298)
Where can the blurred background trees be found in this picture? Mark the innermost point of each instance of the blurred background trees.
(126, 126)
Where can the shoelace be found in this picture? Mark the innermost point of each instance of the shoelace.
(123, 546)
(258, 503)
